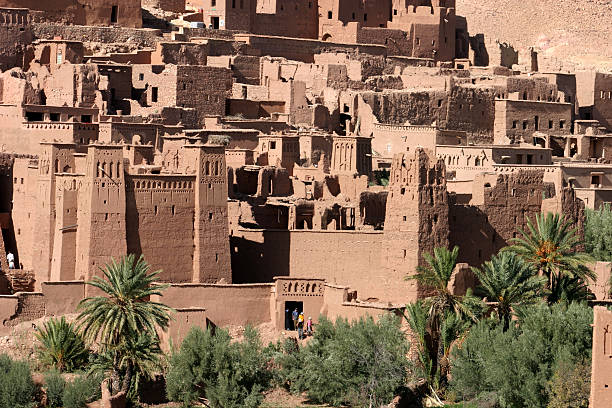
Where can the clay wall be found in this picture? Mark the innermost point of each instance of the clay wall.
(179, 53)
(74, 85)
(124, 13)
(62, 297)
(519, 120)
(159, 223)
(25, 189)
(601, 366)
(303, 49)
(339, 257)
(248, 304)
(290, 18)
(501, 204)
(15, 36)
(30, 306)
(8, 309)
(128, 133)
(472, 110)
(183, 320)
(602, 108)
(601, 285)
(176, 6)
(134, 37)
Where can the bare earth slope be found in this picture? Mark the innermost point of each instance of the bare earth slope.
(579, 31)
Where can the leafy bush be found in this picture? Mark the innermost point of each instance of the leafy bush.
(17, 389)
(598, 233)
(61, 347)
(570, 386)
(211, 366)
(54, 386)
(359, 364)
(82, 390)
(517, 365)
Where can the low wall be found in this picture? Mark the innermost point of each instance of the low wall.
(140, 37)
(225, 304)
(30, 306)
(8, 308)
(337, 304)
(62, 297)
(182, 321)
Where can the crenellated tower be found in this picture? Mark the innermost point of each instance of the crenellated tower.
(101, 233)
(416, 219)
(211, 255)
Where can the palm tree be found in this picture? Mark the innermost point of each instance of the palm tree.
(551, 246)
(120, 318)
(61, 346)
(429, 316)
(435, 278)
(509, 281)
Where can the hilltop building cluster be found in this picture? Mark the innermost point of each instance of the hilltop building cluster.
(274, 154)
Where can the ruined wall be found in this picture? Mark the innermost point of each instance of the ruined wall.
(15, 36)
(125, 13)
(519, 120)
(177, 6)
(106, 35)
(501, 204)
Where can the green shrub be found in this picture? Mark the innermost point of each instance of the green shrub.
(570, 387)
(61, 347)
(54, 386)
(82, 390)
(211, 366)
(360, 364)
(17, 389)
(598, 233)
(517, 365)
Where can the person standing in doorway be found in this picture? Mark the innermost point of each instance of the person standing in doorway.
(301, 326)
(10, 258)
(294, 316)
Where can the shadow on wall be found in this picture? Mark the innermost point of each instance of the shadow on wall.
(260, 261)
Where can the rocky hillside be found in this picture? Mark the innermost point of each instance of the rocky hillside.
(570, 34)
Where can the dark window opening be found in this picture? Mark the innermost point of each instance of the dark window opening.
(233, 3)
(561, 124)
(353, 16)
(54, 117)
(395, 12)
(514, 124)
(86, 118)
(439, 102)
(365, 17)
(141, 77)
(34, 116)
(213, 3)
(418, 41)
(530, 159)
(272, 145)
(215, 22)
(329, 15)
(154, 94)
(550, 124)
(524, 124)
(114, 12)
(537, 123)
(595, 180)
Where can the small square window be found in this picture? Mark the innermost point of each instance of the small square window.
(395, 12)
(272, 145)
(514, 124)
(550, 124)
(561, 124)
(524, 124)
(141, 77)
